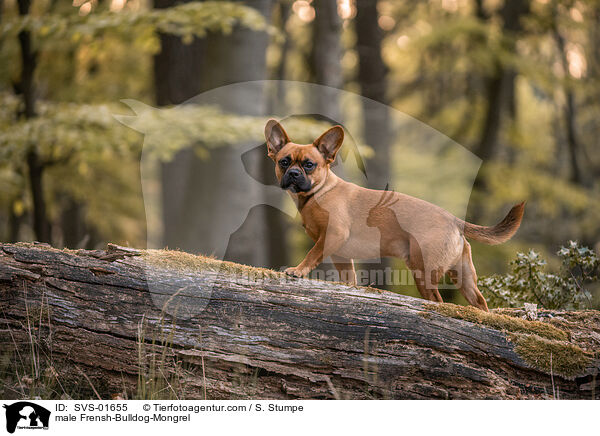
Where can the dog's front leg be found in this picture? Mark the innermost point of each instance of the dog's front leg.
(345, 269)
(326, 245)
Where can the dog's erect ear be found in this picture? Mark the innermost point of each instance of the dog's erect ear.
(330, 142)
(276, 137)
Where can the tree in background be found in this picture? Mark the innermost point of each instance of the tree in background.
(35, 165)
(372, 80)
(198, 193)
(177, 78)
(326, 55)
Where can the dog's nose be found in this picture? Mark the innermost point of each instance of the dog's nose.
(294, 173)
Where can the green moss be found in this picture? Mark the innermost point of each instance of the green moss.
(541, 345)
(555, 357)
(369, 289)
(425, 314)
(499, 322)
(181, 261)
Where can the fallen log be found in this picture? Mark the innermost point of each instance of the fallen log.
(126, 323)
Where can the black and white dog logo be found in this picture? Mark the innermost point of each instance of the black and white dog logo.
(26, 415)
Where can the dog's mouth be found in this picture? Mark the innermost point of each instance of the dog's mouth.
(296, 186)
(295, 189)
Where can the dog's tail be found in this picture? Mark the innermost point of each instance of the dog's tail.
(499, 233)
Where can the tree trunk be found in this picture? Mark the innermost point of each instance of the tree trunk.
(177, 78)
(275, 220)
(500, 93)
(28, 65)
(199, 196)
(14, 222)
(249, 333)
(569, 108)
(41, 225)
(36, 166)
(372, 74)
(326, 57)
(75, 233)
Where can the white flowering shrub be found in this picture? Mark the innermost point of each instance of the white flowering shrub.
(529, 282)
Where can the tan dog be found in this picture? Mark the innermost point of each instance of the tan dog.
(347, 221)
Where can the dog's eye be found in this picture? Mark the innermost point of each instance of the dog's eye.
(284, 163)
(308, 165)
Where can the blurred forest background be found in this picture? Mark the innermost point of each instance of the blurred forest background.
(517, 82)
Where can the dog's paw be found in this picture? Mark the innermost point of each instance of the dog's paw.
(295, 272)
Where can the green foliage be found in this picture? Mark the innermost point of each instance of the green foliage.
(168, 130)
(528, 282)
(188, 20)
(84, 150)
(60, 131)
(90, 156)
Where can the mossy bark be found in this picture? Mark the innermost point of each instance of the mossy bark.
(158, 324)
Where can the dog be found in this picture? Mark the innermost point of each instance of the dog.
(348, 222)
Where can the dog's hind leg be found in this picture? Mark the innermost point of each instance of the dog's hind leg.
(465, 278)
(345, 269)
(435, 279)
(426, 280)
(428, 291)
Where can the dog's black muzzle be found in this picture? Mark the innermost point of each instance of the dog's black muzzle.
(295, 180)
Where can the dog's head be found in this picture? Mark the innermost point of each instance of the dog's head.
(301, 168)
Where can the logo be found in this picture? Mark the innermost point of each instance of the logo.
(26, 415)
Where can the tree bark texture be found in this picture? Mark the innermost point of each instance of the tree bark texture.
(269, 338)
